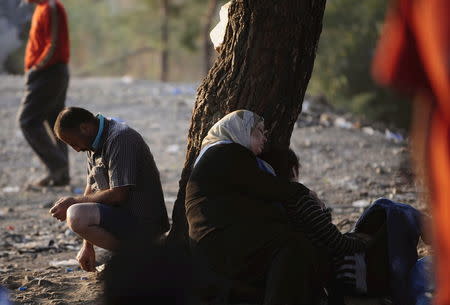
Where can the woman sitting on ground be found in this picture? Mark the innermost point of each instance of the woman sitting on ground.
(253, 227)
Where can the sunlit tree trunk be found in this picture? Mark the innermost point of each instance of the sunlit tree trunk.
(207, 45)
(264, 66)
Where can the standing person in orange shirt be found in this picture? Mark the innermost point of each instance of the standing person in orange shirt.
(47, 79)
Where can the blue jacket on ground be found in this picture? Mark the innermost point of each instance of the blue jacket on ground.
(404, 229)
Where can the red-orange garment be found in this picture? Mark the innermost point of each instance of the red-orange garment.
(48, 41)
(413, 55)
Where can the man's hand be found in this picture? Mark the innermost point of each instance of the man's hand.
(59, 209)
(86, 257)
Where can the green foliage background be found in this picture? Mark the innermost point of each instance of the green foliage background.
(350, 33)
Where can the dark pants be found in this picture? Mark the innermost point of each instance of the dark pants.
(44, 98)
(277, 266)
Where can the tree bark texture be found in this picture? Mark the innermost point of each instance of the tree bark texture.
(207, 45)
(264, 66)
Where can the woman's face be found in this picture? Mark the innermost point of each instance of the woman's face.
(258, 139)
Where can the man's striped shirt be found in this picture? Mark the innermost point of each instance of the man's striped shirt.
(124, 159)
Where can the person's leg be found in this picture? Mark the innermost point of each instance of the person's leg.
(240, 257)
(60, 103)
(84, 219)
(297, 274)
(38, 101)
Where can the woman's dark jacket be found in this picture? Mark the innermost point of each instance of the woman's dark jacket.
(229, 193)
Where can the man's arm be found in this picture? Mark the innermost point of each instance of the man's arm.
(113, 196)
(87, 189)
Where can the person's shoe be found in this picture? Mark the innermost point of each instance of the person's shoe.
(48, 181)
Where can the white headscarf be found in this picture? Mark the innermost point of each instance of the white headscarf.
(236, 127)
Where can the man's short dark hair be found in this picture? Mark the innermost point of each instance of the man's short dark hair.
(70, 118)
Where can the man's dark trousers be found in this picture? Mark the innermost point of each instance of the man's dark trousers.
(44, 98)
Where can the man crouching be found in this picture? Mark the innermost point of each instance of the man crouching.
(123, 191)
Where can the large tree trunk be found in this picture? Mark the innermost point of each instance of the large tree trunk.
(264, 66)
(207, 45)
(164, 40)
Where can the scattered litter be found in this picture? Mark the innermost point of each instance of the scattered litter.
(172, 149)
(176, 91)
(126, 79)
(100, 274)
(68, 269)
(306, 106)
(22, 288)
(361, 203)
(325, 120)
(351, 185)
(70, 246)
(342, 123)
(179, 90)
(64, 263)
(379, 170)
(100, 268)
(11, 189)
(368, 130)
(24, 245)
(394, 136)
(83, 278)
(69, 232)
(78, 191)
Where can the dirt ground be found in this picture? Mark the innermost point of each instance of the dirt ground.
(346, 163)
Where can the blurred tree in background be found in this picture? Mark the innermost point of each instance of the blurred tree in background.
(342, 68)
(156, 39)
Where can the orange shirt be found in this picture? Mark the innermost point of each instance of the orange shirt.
(48, 41)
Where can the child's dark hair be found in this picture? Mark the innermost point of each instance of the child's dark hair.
(284, 161)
